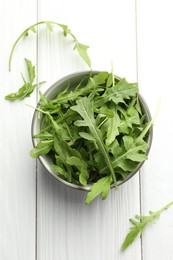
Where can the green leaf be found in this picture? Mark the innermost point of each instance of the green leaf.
(32, 28)
(109, 81)
(98, 79)
(65, 28)
(129, 118)
(121, 91)
(87, 136)
(137, 157)
(102, 186)
(23, 92)
(44, 135)
(82, 50)
(49, 26)
(115, 148)
(99, 164)
(41, 148)
(130, 238)
(127, 125)
(95, 84)
(67, 154)
(63, 148)
(127, 166)
(138, 226)
(28, 87)
(134, 115)
(105, 111)
(84, 108)
(112, 128)
(133, 150)
(60, 171)
(43, 101)
(64, 152)
(118, 93)
(138, 106)
(31, 70)
(81, 166)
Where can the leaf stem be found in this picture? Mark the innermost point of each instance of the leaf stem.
(157, 213)
(18, 39)
(39, 110)
(150, 123)
(32, 28)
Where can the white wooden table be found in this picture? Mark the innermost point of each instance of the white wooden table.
(41, 219)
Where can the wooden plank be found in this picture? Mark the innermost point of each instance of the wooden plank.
(155, 70)
(68, 229)
(17, 169)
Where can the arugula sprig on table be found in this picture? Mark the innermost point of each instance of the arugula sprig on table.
(81, 48)
(94, 132)
(139, 224)
(28, 86)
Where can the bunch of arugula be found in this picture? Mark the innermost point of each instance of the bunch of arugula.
(94, 133)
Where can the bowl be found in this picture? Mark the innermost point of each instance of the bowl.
(74, 79)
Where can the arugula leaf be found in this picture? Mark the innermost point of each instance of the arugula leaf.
(64, 152)
(44, 135)
(121, 91)
(60, 170)
(81, 166)
(81, 48)
(87, 136)
(134, 149)
(115, 148)
(71, 157)
(118, 93)
(129, 118)
(102, 186)
(49, 26)
(140, 223)
(98, 79)
(66, 30)
(31, 70)
(43, 147)
(23, 92)
(84, 108)
(28, 87)
(32, 28)
(112, 127)
(134, 115)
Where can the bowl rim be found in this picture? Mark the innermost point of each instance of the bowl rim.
(42, 157)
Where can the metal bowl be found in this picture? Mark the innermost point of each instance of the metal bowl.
(51, 93)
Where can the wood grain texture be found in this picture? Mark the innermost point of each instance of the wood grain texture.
(40, 218)
(17, 169)
(67, 228)
(155, 55)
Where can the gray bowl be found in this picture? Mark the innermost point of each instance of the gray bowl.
(51, 93)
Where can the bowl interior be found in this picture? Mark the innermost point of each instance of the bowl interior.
(73, 80)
